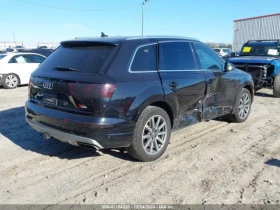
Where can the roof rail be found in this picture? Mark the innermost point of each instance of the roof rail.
(265, 40)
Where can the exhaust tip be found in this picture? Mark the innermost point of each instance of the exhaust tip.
(86, 145)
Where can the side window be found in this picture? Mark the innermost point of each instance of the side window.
(176, 56)
(145, 59)
(20, 59)
(207, 57)
(36, 58)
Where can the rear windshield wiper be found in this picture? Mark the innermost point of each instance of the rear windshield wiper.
(60, 68)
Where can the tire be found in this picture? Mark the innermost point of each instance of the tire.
(147, 135)
(243, 100)
(276, 86)
(10, 81)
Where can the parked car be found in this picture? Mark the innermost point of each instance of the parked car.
(223, 52)
(20, 48)
(16, 68)
(44, 52)
(9, 49)
(132, 91)
(43, 47)
(261, 58)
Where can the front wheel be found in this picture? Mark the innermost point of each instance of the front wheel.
(242, 106)
(276, 86)
(10, 81)
(151, 134)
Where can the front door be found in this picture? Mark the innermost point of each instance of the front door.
(220, 90)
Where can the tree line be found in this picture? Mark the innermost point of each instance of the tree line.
(218, 45)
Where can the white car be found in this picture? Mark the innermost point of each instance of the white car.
(16, 68)
(223, 52)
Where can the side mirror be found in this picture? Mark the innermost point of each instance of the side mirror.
(229, 67)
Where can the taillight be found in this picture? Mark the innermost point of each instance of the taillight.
(91, 90)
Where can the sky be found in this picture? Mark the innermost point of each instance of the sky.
(206, 20)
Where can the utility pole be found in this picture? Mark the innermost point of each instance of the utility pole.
(143, 6)
(14, 37)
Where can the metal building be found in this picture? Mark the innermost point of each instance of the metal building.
(255, 28)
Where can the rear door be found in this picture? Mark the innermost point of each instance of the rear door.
(184, 85)
(72, 78)
(221, 87)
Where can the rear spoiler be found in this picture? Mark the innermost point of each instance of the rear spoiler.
(80, 42)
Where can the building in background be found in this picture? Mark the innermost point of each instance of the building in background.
(255, 28)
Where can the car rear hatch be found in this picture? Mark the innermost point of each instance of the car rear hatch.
(72, 79)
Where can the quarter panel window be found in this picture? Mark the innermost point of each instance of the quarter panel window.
(36, 58)
(145, 59)
(176, 56)
(207, 57)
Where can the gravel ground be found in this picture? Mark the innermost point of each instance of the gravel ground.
(212, 162)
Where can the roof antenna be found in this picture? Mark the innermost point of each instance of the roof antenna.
(103, 35)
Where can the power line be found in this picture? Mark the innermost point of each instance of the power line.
(71, 9)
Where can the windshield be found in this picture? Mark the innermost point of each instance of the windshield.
(88, 59)
(226, 50)
(260, 50)
(217, 50)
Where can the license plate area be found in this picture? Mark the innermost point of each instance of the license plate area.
(50, 98)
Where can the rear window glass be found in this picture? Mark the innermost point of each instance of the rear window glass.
(2, 56)
(145, 59)
(176, 56)
(88, 59)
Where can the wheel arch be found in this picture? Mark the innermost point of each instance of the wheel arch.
(161, 104)
(251, 89)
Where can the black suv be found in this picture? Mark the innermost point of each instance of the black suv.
(132, 91)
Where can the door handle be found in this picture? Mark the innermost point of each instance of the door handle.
(173, 84)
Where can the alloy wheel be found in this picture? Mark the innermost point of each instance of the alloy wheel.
(154, 135)
(11, 81)
(244, 106)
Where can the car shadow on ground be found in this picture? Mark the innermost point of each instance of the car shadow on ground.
(273, 162)
(14, 127)
(1, 86)
(266, 95)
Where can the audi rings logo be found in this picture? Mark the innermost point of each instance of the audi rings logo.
(48, 85)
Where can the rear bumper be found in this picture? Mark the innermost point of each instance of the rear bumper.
(80, 130)
(62, 136)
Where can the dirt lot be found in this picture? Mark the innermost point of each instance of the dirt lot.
(213, 162)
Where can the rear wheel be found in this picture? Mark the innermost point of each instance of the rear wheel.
(151, 134)
(10, 81)
(276, 86)
(242, 107)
